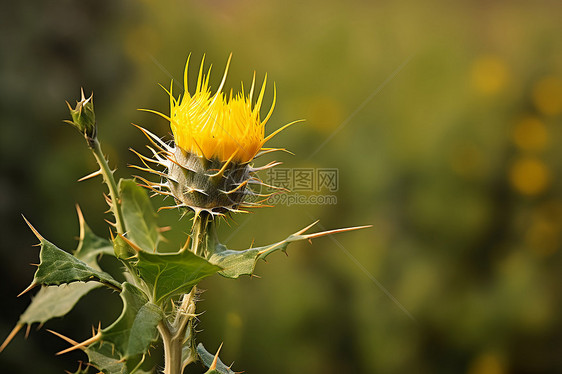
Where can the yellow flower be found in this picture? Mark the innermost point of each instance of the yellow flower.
(216, 126)
(208, 167)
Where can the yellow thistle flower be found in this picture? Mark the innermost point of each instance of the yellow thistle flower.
(214, 126)
(215, 138)
(217, 126)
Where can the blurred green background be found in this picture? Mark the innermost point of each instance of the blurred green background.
(443, 118)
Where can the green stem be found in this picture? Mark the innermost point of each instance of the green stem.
(172, 349)
(110, 182)
(174, 335)
(199, 233)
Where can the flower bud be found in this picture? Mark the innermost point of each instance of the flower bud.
(211, 185)
(84, 118)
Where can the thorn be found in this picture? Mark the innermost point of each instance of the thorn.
(336, 231)
(170, 207)
(33, 229)
(81, 223)
(108, 200)
(130, 243)
(186, 245)
(92, 175)
(29, 288)
(237, 188)
(13, 333)
(306, 228)
(93, 339)
(151, 137)
(149, 170)
(113, 224)
(220, 173)
(268, 166)
(79, 368)
(80, 215)
(27, 330)
(214, 364)
(66, 339)
(32, 264)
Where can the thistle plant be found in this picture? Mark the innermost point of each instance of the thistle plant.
(208, 173)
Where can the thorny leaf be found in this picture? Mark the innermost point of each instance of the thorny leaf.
(208, 359)
(237, 263)
(171, 274)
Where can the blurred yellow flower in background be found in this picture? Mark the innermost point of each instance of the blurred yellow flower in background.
(489, 75)
(529, 175)
(547, 95)
(487, 363)
(530, 134)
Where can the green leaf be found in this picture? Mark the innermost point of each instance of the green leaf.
(55, 301)
(104, 357)
(57, 267)
(136, 327)
(139, 215)
(63, 277)
(171, 274)
(208, 358)
(237, 263)
(144, 329)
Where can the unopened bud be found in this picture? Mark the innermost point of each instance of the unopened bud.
(84, 118)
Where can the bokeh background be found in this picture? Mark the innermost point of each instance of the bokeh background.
(443, 118)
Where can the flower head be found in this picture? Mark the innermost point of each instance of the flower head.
(208, 167)
(217, 126)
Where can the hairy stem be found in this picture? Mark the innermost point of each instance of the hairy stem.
(111, 185)
(199, 233)
(175, 335)
(109, 180)
(172, 349)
